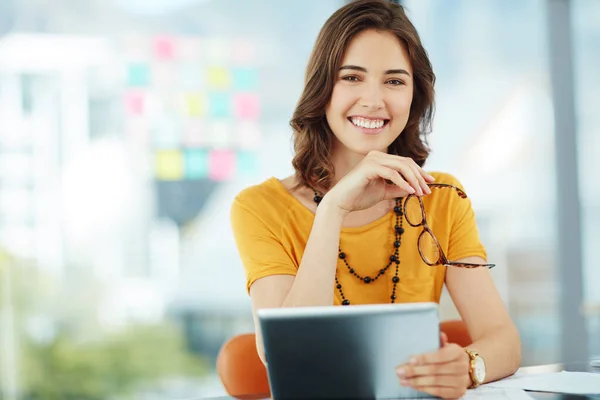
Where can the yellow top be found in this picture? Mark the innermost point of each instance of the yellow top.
(271, 228)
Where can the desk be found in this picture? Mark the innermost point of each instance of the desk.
(539, 369)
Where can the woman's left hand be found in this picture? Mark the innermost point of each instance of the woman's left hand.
(443, 373)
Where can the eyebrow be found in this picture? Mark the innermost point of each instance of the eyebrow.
(362, 69)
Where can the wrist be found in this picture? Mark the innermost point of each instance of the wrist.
(328, 206)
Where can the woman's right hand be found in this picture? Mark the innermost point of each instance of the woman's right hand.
(367, 183)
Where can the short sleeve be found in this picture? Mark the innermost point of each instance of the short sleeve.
(261, 252)
(464, 235)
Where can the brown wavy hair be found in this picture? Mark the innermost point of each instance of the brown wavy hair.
(313, 137)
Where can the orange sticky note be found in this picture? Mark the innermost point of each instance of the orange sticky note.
(169, 165)
(246, 106)
(221, 164)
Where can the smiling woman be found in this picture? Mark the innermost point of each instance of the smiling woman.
(337, 231)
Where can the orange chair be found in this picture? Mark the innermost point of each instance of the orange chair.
(244, 376)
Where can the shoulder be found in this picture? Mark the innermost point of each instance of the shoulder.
(447, 192)
(446, 178)
(268, 201)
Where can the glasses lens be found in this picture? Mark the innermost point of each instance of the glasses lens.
(428, 248)
(412, 209)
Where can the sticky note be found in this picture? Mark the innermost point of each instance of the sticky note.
(164, 48)
(247, 163)
(138, 74)
(193, 133)
(245, 79)
(196, 105)
(219, 134)
(216, 51)
(188, 48)
(196, 164)
(219, 105)
(137, 129)
(166, 133)
(163, 75)
(190, 76)
(243, 52)
(169, 165)
(247, 134)
(218, 78)
(134, 103)
(246, 106)
(221, 165)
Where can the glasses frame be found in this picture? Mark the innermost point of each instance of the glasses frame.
(442, 259)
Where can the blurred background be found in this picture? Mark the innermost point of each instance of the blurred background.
(127, 128)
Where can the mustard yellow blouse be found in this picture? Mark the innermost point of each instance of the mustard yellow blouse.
(271, 228)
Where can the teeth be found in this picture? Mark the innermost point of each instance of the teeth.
(367, 123)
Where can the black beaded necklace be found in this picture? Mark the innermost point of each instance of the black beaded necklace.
(394, 258)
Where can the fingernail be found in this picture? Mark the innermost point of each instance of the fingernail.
(401, 371)
(411, 189)
(413, 361)
(432, 178)
(428, 191)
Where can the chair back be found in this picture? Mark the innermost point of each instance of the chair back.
(244, 376)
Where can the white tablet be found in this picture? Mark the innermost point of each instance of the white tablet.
(345, 352)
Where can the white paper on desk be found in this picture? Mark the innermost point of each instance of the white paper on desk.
(557, 382)
(491, 393)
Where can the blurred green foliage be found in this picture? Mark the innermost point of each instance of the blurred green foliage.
(80, 359)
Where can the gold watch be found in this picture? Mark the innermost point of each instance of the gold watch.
(476, 368)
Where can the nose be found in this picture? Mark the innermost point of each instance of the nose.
(372, 97)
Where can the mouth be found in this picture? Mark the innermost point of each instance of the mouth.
(369, 125)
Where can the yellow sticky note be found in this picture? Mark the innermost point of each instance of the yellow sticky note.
(218, 78)
(195, 105)
(169, 165)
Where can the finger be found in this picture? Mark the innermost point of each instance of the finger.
(405, 167)
(445, 354)
(429, 178)
(443, 339)
(407, 173)
(419, 173)
(392, 175)
(452, 368)
(435, 380)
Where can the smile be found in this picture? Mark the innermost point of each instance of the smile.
(369, 123)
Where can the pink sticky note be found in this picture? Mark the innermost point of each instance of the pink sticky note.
(134, 103)
(246, 106)
(221, 165)
(164, 48)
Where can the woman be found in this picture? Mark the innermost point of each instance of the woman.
(345, 228)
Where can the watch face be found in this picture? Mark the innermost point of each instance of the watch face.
(479, 369)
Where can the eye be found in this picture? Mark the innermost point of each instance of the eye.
(396, 82)
(350, 78)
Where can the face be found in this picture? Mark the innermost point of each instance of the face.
(371, 98)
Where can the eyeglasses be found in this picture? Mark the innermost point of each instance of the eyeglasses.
(429, 247)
